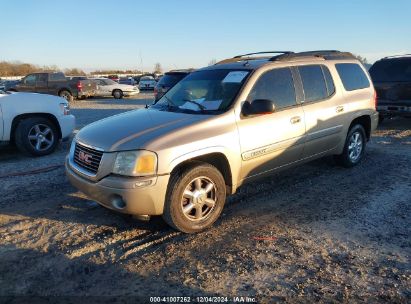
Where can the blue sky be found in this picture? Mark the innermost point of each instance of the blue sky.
(93, 34)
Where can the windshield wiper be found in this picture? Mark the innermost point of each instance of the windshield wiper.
(202, 108)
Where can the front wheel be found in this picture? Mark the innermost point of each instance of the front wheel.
(195, 198)
(354, 147)
(118, 94)
(37, 136)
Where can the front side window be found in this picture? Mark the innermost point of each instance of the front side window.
(30, 80)
(204, 91)
(352, 76)
(276, 85)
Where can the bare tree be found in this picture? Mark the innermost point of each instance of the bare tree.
(362, 59)
(212, 62)
(157, 68)
(74, 72)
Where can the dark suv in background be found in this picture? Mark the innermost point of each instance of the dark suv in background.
(392, 81)
(169, 80)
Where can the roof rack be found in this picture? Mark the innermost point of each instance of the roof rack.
(325, 54)
(248, 56)
(287, 55)
(267, 52)
(397, 56)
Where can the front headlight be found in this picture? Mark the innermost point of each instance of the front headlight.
(135, 163)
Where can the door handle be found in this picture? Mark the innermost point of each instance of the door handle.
(295, 119)
(339, 109)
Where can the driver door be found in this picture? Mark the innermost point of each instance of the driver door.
(28, 84)
(271, 141)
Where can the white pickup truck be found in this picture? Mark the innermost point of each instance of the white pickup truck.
(34, 122)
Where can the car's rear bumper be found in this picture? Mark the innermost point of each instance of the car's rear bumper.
(397, 108)
(123, 194)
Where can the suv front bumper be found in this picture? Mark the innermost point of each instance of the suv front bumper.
(124, 194)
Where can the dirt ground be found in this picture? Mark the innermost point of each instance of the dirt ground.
(314, 233)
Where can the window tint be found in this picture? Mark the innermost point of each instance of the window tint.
(352, 76)
(275, 85)
(57, 77)
(398, 69)
(328, 80)
(41, 77)
(30, 79)
(313, 82)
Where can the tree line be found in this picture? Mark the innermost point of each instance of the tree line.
(22, 69)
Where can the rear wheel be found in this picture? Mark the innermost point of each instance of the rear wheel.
(37, 136)
(195, 198)
(117, 94)
(354, 147)
(66, 95)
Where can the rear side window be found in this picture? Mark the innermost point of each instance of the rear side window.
(57, 77)
(398, 69)
(352, 76)
(314, 84)
(276, 85)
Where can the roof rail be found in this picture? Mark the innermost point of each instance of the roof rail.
(246, 57)
(267, 52)
(397, 56)
(325, 54)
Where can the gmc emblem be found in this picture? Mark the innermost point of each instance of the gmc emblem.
(84, 157)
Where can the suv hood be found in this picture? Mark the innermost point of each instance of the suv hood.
(134, 129)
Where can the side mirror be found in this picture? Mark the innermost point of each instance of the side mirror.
(258, 107)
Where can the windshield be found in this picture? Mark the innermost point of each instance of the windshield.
(204, 91)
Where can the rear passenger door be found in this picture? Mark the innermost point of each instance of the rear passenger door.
(322, 109)
(272, 140)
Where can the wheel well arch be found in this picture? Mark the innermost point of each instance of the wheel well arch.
(216, 159)
(18, 118)
(64, 89)
(365, 122)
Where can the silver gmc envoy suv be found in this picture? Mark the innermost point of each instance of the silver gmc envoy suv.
(222, 126)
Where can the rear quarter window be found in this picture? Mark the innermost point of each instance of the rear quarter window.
(352, 76)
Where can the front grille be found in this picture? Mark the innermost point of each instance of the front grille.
(87, 158)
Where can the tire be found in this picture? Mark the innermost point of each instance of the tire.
(354, 147)
(66, 95)
(201, 212)
(117, 94)
(37, 136)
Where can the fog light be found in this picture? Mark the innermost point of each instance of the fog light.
(118, 202)
(143, 183)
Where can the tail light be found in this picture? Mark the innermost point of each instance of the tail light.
(375, 99)
(79, 85)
